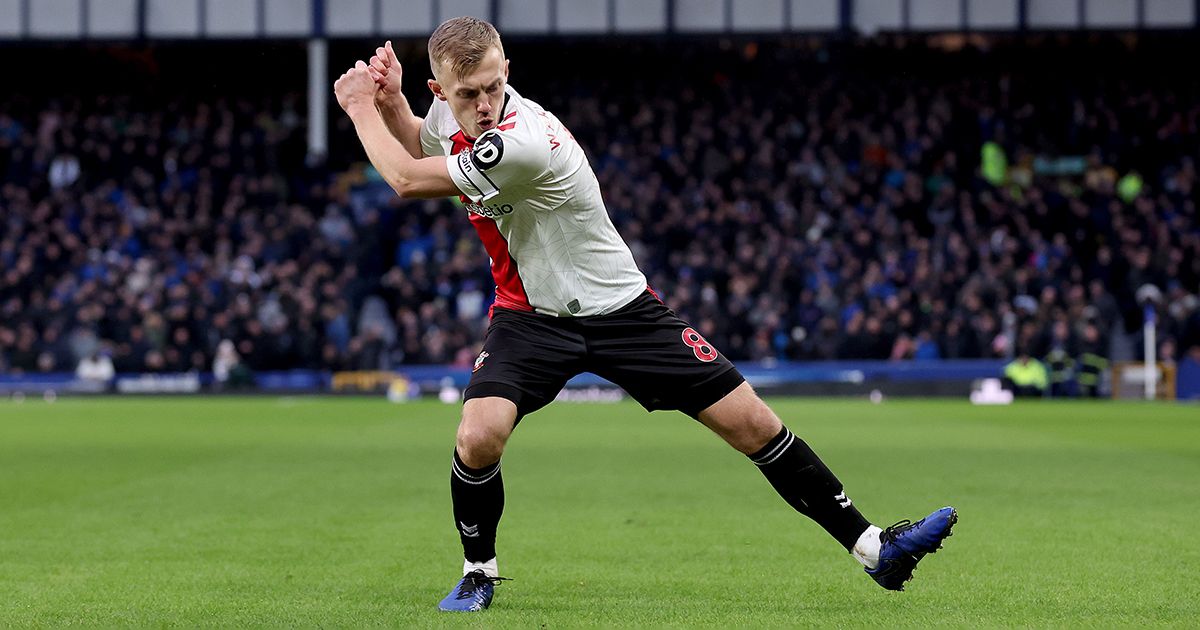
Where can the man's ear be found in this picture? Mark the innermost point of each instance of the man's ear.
(506, 70)
(436, 88)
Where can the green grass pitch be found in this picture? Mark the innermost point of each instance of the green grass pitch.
(335, 512)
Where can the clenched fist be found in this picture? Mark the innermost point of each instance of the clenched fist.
(355, 88)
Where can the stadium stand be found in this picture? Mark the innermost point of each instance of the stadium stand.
(794, 199)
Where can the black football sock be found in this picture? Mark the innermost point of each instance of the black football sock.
(803, 480)
(478, 496)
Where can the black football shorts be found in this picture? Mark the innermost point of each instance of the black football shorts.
(643, 348)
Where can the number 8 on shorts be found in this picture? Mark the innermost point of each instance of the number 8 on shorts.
(701, 348)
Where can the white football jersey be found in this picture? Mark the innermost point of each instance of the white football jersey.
(535, 202)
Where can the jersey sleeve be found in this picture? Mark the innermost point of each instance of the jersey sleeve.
(429, 134)
(498, 161)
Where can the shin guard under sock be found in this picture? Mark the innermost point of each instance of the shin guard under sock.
(478, 496)
(803, 480)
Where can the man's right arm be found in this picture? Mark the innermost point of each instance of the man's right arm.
(410, 177)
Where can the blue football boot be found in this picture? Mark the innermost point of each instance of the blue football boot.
(905, 543)
(472, 593)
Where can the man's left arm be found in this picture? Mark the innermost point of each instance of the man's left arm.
(410, 177)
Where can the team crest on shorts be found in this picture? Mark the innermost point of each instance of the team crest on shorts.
(479, 361)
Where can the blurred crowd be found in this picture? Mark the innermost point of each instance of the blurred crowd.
(792, 201)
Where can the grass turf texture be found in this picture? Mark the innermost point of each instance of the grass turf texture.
(335, 512)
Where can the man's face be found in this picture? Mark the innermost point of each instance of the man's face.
(477, 98)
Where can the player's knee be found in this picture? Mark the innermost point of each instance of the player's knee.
(484, 430)
(766, 424)
(743, 420)
(478, 448)
(480, 443)
(757, 426)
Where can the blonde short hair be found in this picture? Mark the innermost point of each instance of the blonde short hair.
(460, 44)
